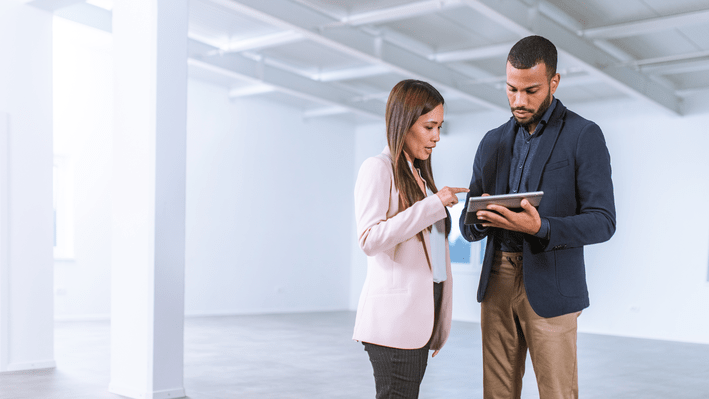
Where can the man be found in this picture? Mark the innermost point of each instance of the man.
(533, 282)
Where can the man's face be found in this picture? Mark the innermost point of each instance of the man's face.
(529, 93)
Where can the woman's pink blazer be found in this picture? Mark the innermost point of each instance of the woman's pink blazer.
(396, 304)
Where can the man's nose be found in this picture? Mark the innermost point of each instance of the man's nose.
(519, 99)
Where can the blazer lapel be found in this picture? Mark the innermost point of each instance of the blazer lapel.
(504, 157)
(546, 145)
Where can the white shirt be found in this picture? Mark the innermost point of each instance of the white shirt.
(438, 248)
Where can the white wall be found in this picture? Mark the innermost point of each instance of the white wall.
(266, 190)
(268, 207)
(650, 279)
(83, 134)
(26, 334)
(370, 140)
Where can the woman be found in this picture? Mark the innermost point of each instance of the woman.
(402, 223)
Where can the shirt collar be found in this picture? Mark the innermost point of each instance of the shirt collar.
(547, 114)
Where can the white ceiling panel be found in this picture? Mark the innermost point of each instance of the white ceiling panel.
(664, 7)
(223, 26)
(570, 94)
(697, 35)
(377, 84)
(597, 13)
(434, 30)
(344, 8)
(691, 80)
(341, 57)
(656, 45)
(479, 30)
(312, 57)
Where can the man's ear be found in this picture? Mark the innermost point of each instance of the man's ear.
(554, 83)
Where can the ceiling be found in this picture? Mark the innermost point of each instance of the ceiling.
(341, 57)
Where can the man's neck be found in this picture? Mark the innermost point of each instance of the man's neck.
(532, 128)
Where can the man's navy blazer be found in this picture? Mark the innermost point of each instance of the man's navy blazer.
(572, 167)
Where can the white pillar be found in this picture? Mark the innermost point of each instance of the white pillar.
(148, 234)
(26, 260)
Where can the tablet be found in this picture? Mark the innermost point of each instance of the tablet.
(510, 201)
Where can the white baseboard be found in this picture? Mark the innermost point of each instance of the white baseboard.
(83, 317)
(42, 364)
(132, 393)
(260, 312)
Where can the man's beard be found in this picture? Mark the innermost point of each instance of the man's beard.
(536, 116)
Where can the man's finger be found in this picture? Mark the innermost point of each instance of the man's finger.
(498, 208)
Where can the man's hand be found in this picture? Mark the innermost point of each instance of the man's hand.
(528, 221)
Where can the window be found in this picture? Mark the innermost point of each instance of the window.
(461, 250)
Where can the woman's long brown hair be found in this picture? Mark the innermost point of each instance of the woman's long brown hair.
(409, 100)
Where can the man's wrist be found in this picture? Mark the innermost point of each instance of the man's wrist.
(543, 229)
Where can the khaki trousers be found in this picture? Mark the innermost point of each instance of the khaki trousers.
(510, 327)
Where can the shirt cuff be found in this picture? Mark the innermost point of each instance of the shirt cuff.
(480, 228)
(543, 230)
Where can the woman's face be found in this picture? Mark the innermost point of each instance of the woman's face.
(423, 135)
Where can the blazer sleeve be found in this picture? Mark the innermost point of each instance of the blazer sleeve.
(594, 220)
(470, 232)
(377, 232)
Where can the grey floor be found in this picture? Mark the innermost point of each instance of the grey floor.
(311, 356)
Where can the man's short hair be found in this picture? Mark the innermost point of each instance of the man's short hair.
(533, 50)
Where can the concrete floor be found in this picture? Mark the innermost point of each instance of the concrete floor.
(311, 356)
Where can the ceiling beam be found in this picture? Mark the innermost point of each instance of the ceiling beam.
(396, 13)
(651, 25)
(53, 5)
(352, 73)
(673, 68)
(89, 15)
(252, 90)
(292, 16)
(399, 39)
(692, 91)
(327, 111)
(560, 16)
(78, 11)
(699, 55)
(238, 67)
(474, 53)
(261, 42)
(516, 16)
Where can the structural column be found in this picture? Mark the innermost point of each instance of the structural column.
(148, 233)
(26, 261)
